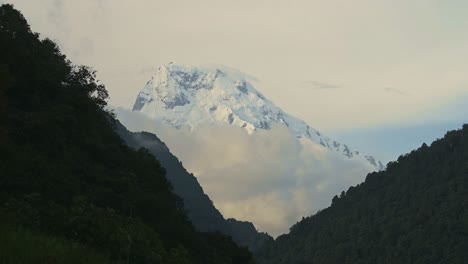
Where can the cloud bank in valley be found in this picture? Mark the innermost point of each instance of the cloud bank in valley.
(269, 178)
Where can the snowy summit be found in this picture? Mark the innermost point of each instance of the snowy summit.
(187, 96)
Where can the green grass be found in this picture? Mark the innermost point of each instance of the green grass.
(18, 246)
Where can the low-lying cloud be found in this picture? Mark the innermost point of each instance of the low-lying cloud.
(269, 178)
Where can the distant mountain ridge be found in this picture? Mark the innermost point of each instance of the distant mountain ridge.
(187, 96)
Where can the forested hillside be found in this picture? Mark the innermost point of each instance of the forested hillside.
(71, 191)
(416, 211)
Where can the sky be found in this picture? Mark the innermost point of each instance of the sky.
(338, 65)
(382, 76)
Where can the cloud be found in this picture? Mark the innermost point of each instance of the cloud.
(395, 90)
(318, 85)
(268, 178)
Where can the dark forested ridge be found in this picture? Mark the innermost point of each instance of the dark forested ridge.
(245, 233)
(416, 211)
(69, 186)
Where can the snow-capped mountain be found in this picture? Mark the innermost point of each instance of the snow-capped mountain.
(189, 96)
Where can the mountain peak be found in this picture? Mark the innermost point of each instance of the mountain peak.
(187, 96)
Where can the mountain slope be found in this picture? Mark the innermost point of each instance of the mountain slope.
(245, 233)
(69, 180)
(190, 96)
(204, 216)
(416, 211)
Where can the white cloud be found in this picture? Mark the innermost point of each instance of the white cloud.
(268, 178)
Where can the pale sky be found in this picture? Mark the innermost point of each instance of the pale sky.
(338, 65)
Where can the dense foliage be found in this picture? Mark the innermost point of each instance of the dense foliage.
(66, 174)
(18, 245)
(416, 211)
